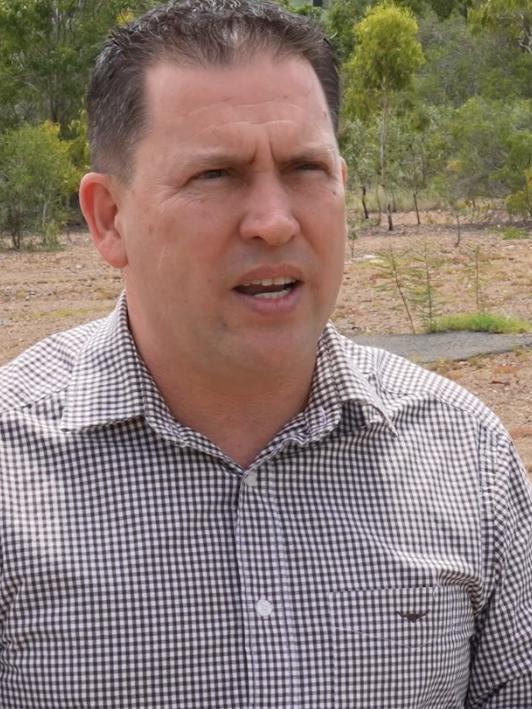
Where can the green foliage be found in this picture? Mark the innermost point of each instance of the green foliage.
(387, 55)
(445, 8)
(516, 173)
(36, 178)
(307, 10)
(341, 19)
(520, 203)
(414, 275)
(46, 50)
(461, 65)
(387, 51)
(513, 233)
(487, 149)
(424, 282)
(446, 110)
(359, 145)
(394, 269)
(513, 18)
(79, 142)
(482, 322)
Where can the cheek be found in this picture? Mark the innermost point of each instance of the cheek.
(325, 220)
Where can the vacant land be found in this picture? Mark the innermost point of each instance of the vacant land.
(43, 292)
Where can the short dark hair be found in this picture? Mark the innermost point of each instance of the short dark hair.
(193, 33)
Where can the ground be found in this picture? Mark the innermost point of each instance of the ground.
(43, 292)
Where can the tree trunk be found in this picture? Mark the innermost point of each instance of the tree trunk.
(16, 240)
(379, 205)
(364, 205)
(382, 148)
(417, 209)
(458, 231)
(390, 220)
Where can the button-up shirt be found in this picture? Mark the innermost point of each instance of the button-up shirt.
(376, 554)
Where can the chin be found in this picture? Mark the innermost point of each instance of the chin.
(280, 351)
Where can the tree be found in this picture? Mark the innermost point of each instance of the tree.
(511, 17)
(46, 50)
(387, 55)
(359, 146)
(307, 10)
(36, 178)
(341, 19)
(461, 64)
(488, 147)
(416, 162)
(445, 8)
(516, 173)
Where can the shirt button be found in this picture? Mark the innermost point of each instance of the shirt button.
(251, 480)
(264, 608)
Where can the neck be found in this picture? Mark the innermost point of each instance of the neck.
(241, 412)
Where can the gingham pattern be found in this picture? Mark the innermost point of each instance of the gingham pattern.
(377, 553)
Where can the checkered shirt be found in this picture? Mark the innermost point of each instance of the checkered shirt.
(377, 554)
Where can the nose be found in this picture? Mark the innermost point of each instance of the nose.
(268, 213)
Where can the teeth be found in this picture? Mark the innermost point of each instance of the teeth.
(272, 296)
(281, 281)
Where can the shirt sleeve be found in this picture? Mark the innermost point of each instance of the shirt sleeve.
(501, 662)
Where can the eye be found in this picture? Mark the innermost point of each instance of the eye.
(214, 174)
(310, 167)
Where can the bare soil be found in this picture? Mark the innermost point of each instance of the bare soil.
(44, 292)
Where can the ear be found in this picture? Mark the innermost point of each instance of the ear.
(98, 195)
(343, 167)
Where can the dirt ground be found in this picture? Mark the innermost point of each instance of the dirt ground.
(43, 292)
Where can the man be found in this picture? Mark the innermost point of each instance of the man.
(211, 498)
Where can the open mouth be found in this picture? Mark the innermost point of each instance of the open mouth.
(268, 288)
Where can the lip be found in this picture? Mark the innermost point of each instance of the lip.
(271, 307)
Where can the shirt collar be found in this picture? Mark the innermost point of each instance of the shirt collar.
(106, 385)
(110, 383)
(340, 383)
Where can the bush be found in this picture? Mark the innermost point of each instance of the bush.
(512, 233)
(520, 203)
(36, 178)
(481, 322)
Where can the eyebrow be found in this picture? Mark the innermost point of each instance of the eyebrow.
(311, 154)
(209, 158)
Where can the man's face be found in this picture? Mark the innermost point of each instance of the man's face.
(233, 222)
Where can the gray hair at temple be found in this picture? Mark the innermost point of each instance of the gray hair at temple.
(191, 33)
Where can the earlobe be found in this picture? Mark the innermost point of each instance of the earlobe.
(98, 201)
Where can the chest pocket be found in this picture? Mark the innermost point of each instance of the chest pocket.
(401, 648)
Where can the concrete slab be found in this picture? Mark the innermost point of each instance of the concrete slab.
(445, 345)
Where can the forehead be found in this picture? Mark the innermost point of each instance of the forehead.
(264, 90)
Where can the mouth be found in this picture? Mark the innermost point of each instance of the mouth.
(269, 288)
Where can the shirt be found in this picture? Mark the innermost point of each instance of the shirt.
(377, 553)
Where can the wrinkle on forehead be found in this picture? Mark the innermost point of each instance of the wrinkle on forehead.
(225, 112)
(239, 124)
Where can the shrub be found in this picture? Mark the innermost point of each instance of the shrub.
(481, 322)
(512, 233)
(36, 178)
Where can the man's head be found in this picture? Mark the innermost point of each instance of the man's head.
(229, 226)
(199, 33)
